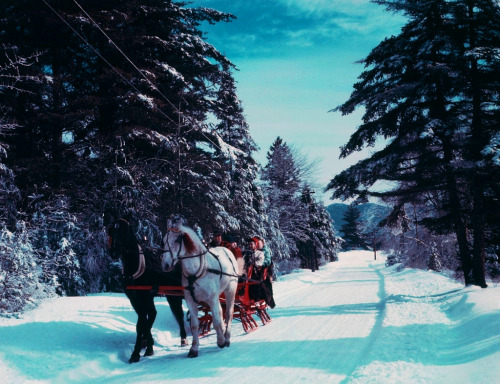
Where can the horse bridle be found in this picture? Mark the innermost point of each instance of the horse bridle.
(203, 261)
(179, 240)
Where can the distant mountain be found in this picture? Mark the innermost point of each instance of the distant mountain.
(369, 212)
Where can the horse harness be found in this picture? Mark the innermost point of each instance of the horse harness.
(142, 265)
(202, 271)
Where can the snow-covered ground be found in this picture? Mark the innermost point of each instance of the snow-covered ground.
(354, 321)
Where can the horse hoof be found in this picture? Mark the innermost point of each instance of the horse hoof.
(228, 343)
(134, 358)
(149, 352)
(184, 342)
(193, 354)
(221, 345)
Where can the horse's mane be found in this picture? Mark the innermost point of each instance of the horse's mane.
(192, 241)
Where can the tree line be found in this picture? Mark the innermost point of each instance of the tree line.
(123, 109)
(432, 93)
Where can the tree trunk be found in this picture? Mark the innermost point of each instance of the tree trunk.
(456, 206)
(478, 251)
(478, 142)
(460, 229)
(456, 212)
(56, 121)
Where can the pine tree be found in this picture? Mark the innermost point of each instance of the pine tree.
(282, 186)
(281, 170)
(12, 81)
(245, 202)
(154, 99)
(301, 227)
(19, 273)
(351, 230)
(118, 124)
(417, 90)
(19, 280)
(322, 244)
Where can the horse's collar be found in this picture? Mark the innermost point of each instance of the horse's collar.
(142, 264)
(198, 275)
(202, 270)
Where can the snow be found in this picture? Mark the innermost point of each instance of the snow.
(493, 149)
(148, 100)
(353, 321)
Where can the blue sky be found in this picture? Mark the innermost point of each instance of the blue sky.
(296, 60)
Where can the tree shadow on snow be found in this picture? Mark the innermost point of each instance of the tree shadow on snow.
(40, 350)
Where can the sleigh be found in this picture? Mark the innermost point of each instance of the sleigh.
(244, 310)
(244, 307)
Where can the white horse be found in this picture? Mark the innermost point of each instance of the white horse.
(206, 273)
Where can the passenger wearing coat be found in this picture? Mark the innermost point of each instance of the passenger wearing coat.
(230, 243)
(216, 239)
(261, 270)
(262, 246)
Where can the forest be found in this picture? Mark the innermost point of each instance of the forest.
(124, 109)
(432, 93)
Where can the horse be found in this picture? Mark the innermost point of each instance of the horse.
(143, 267)
(206, 274)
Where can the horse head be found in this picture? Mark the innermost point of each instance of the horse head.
(179, 242)
(119, 237)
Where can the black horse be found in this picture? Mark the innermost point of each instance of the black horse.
(143, 267)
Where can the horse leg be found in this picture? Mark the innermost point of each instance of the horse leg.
(151, 317)
(193, 310)
(135, 300)
(175, 303)
(139, 328)
(216, 309)
(230, 294)
(143, 304)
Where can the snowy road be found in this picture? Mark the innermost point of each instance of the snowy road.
(336, 312)
(353, 321)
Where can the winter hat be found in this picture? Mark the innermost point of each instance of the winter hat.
(228, 238)
(217, 232)
(251, 240)
(260, 238)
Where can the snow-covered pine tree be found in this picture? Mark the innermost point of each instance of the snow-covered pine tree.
(479, 40)
(59, 245)
(281, 187)
(19, 274)
(9, 193)
(300, 227)
(119, 124)
(245, 204)
(12, 81)
(322, 244)
(426, 90)
(351, 232)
